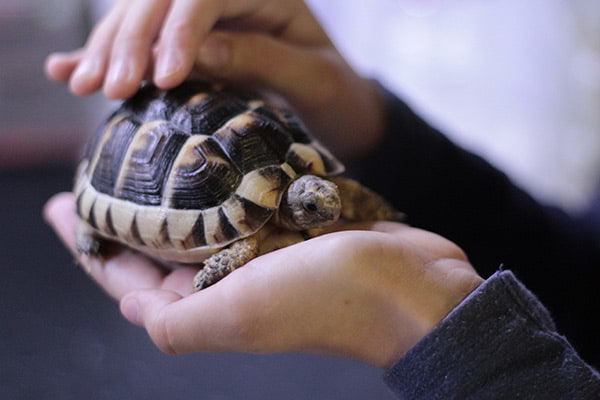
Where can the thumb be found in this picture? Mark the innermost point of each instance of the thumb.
(205, 321)
(305, 76)
(150, 309)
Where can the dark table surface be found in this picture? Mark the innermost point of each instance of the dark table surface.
(62, 338)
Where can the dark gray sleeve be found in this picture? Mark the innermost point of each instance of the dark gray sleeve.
(445, 189)
(500, 343)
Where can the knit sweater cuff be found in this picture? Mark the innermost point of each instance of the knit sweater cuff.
(498, 342)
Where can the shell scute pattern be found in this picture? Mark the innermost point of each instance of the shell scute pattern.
(195, 167)
(202, 177)
(204, 114)
(253, 142)
(146, 164)
(108, 163)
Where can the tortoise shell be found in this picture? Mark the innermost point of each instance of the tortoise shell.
(180, 174)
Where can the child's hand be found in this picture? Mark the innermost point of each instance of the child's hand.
(165, 37)
(271, 45)
(369, 295)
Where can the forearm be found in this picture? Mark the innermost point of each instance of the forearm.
(446, 189)
(499, 343)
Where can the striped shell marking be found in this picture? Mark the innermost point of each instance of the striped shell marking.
(180, 174)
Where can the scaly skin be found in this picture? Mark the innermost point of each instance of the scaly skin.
(360, 203)
(217, 266)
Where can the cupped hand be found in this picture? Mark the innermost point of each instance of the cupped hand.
(276, 46)
(369, 293)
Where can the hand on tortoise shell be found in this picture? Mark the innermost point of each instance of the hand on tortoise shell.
(120, 48)
(272, 45)
(369, 295)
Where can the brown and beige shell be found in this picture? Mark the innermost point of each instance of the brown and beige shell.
(180, 174)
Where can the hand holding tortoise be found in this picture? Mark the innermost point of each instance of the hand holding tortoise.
(368, 295)
(205, 173)
(364, 295)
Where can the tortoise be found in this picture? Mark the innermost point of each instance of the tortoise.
(204, 173)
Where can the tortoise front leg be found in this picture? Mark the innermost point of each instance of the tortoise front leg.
(362, 204)
(220, 264)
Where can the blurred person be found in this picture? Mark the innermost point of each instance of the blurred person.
(279, 47)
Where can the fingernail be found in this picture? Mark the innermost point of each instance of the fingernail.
(119, 72)
(86, 68)
(168, 65)
(130, 310)
(214, 53)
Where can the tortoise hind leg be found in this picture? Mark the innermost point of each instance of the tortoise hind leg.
(221, 264)
(87, 241)
(362, 204)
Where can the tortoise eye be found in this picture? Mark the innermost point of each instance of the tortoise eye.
(312, 207)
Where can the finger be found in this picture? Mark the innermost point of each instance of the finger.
(156, 311)
(377, 226)
(430, 243)
(60, 66)
(189, 22)
(148, 309)
(179, 325)
(214, 319)
(180, 280)
(59, 212)
(118, 273)
(304, 76)
(185, 28)
(131, 51)
(90, 72)
(291, 21)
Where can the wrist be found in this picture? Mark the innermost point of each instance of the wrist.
(396, 307)
(420, 305)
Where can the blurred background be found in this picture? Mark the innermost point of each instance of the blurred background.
(517, 82)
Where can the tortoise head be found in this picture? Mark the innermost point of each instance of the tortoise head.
(309, 202)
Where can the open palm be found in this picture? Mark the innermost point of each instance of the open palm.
(368, 294)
